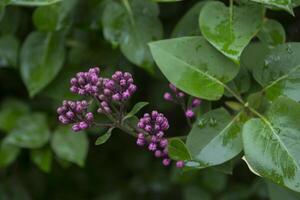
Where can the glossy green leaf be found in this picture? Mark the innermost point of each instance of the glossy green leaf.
(188, 25)
(167, 0)
(104, 138)
(272, 33)
(254, 55)
(177, 150)
(136, 108)
(42, 56)
(132, 24)
(271, 144)
(9, 49)
(279, 193)
(241, 83)
(32, 2)
(42, 158)
(279, 71)
(230, 29)
(31, 131)
(215, 138)
(8, 154)
(286, 5)
(70, 146)
(46, 18)
(10, 111)
(194, 66)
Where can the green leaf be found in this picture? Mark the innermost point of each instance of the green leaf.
(230, 29)
(279, 193)
(255, 50)
(132, 24)
(167, 0)
(8, 154)
(194, 66)
(286, 5)
(31, 131)
(279, 71)
(104, 138)
(271, 144)
(136, 108)
(188, 25)
(54, 17)
(215, 138)
(11, 110)
(177, 150)
(46, 18)
(32, 2)
(70, 146)
(272, 33)
(42, 56)
(241, 83)
(42, 158)
(9, 48)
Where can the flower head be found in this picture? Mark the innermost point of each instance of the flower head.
(75, 112)
(86, 83)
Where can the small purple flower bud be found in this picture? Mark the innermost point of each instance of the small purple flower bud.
(107, 91)
(100, 110)
(168, 96)
(160, 134)
(107, 109)
(165, 125)
(154, 114)
(125, 95)
(127, 75)
(140, 142)
(196, 102)
(141, 136)
(116, 97)
(70, 114)
(158, 153)
(83, 125)
(152, 146)
(132, 88)
(76, 128)
(141, 125)
(159, 120)
(73, 81)
(163, 143)
(89, 116)
(166, 162)
(60, 110)
(74, 89)
(181, 94)
(172, 87)
(123, 82)
(148, 128)
(180, 164)
(154, 139)
(189, 113)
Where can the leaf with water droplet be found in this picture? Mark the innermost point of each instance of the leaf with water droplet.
(271, 144)
(218, 142)
(279, 71)
(230, 29)
(201, 72)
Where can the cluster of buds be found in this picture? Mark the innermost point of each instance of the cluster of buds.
(117, 89)
(178, 96)
(86, 83)
(75, 112)
(153, 126)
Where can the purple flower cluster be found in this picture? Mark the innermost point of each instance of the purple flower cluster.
(75, 112)
(117, 89)
(177, 96)
(153, 126)
(86, 83)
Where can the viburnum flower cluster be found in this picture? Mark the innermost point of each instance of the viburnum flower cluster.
(178, 96)
(111, 94)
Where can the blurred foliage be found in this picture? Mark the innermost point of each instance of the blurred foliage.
(41, 47)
